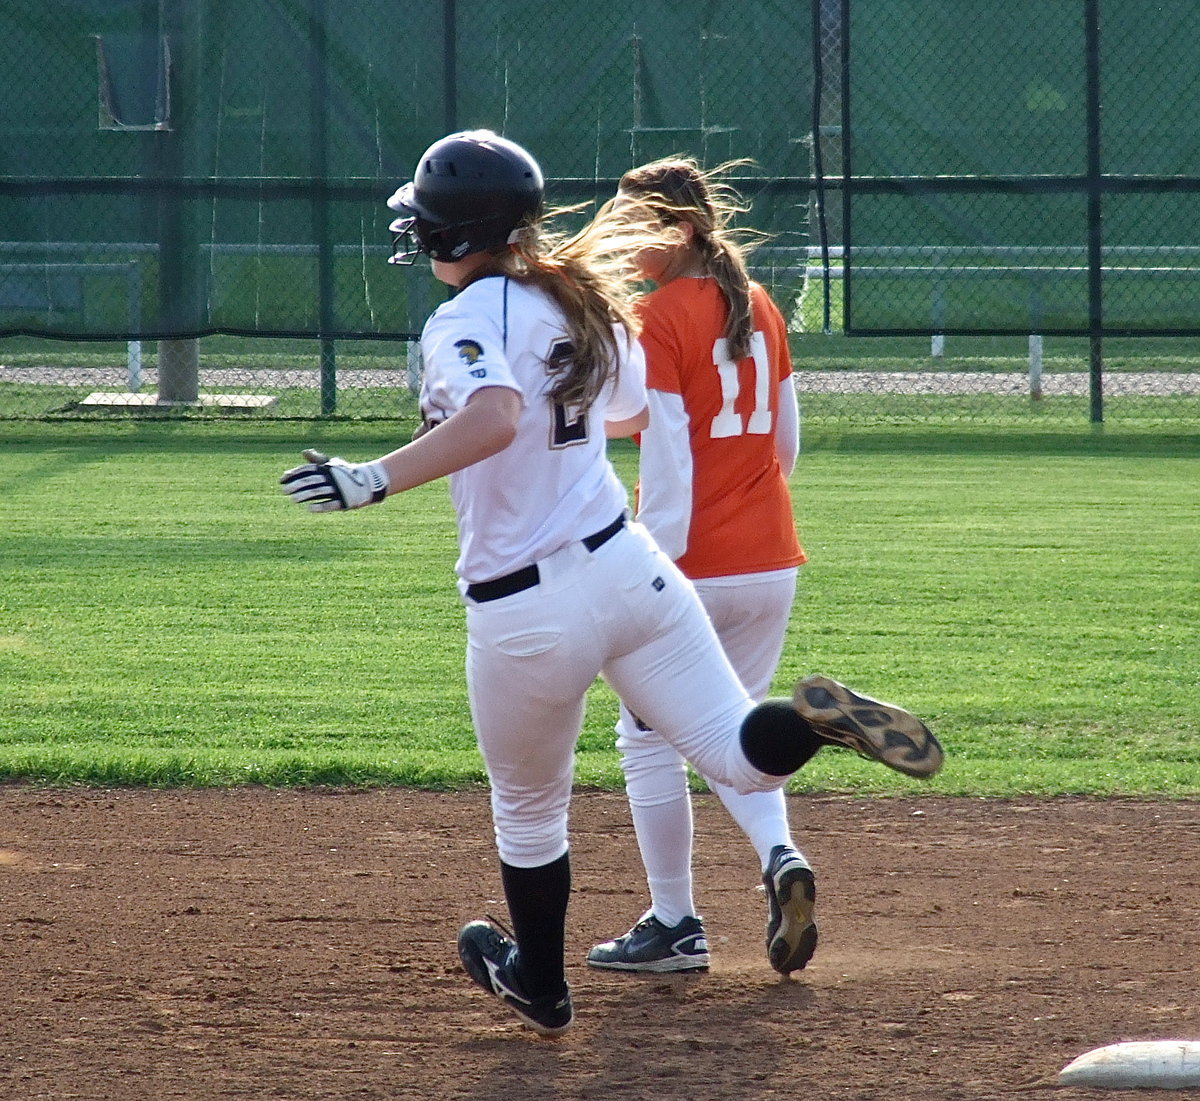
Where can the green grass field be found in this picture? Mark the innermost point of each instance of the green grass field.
(167, 617)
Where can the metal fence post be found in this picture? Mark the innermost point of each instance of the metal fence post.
(178, 288)
(319, 154)
(449, 66)
(1095, 213)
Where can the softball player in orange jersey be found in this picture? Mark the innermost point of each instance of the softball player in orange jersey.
(527, 370)
(722, 441)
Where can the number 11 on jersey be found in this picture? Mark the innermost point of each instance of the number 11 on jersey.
(727, 422)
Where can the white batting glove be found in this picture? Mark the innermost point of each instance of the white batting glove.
(329, 485)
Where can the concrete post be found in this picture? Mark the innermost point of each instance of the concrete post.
(178, 371)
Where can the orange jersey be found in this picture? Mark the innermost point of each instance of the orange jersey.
(740, 518)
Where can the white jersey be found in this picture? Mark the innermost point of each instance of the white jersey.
(553, 484)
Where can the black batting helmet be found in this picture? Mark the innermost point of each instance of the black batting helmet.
(471, 191)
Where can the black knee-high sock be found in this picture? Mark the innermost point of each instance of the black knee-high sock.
(776, 739)
(537, 903)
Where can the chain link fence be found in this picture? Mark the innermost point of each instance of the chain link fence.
(1017, 185)
(976, 212)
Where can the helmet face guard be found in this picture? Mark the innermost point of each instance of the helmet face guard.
(414, 235)
(405, 246)
(471, 193)
(407, 243)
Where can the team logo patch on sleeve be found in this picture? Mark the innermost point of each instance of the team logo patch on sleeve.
(469, 351)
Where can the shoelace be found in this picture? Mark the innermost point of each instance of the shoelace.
(504, 929)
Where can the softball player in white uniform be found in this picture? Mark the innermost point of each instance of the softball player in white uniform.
(527, 370)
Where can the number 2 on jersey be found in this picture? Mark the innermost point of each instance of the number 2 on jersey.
(569, 423)
(728, 422)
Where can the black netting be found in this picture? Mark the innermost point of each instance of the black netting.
(174, 169)
(1022, 167)
(168, 175)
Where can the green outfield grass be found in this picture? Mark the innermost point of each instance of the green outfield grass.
(167, 617)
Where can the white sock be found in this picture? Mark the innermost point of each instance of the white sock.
(664, 834)
(762, 815)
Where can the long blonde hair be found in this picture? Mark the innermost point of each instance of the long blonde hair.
(592, 278)
(679, 190)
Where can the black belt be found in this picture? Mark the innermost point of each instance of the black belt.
(520, 580)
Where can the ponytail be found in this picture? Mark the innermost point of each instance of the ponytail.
(727, 265)
(591, 278)
(678, 190)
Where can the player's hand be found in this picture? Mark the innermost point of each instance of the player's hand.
(328, 485)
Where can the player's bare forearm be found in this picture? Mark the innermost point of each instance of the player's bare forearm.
(615, 430)
(485, 426)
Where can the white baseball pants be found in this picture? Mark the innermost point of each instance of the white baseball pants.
(623, 612)
(750, 614)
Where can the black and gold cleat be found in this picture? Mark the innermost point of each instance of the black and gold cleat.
(791, 898)
(880, 731)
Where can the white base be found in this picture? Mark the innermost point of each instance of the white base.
(1165, 1064)
(104, 400)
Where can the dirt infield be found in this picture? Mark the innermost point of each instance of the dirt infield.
(300, 945)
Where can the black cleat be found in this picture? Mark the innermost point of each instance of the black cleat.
(791, 897)
(652, 946)
(491, 960)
